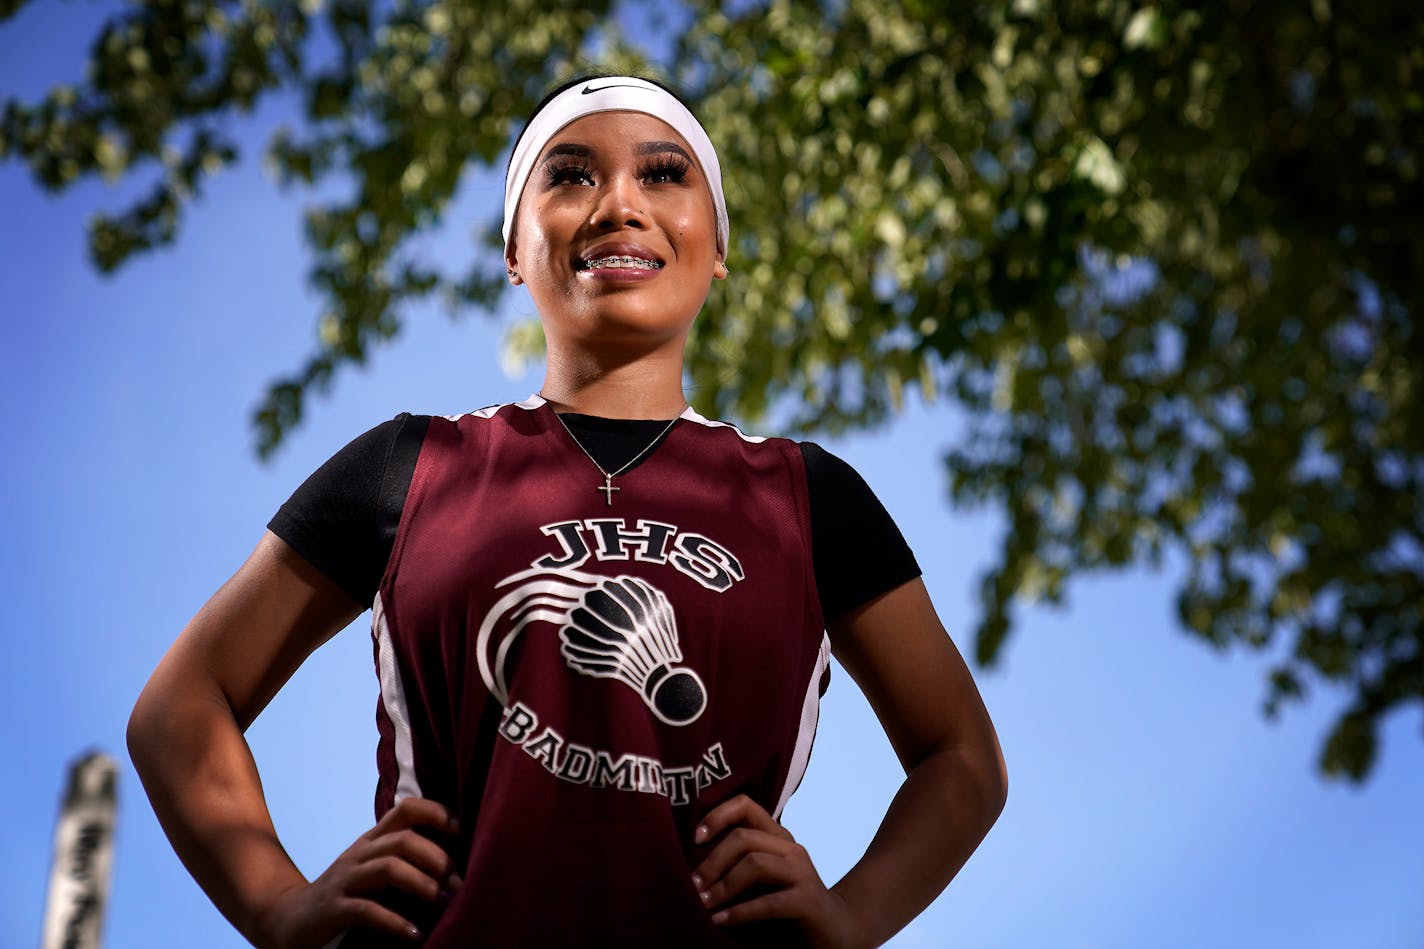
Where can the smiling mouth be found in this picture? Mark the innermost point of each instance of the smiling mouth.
(620, 263)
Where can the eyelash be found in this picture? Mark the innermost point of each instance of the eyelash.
(666, 169)
(672, 169)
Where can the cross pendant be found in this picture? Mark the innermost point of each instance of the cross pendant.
(607, 489)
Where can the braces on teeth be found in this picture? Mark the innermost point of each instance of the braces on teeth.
(623, 263)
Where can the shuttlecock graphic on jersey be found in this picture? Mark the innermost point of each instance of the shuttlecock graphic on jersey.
(623, 628)
(619, 628)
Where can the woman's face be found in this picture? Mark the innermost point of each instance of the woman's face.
(615, 235)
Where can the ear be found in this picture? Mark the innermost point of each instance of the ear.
(719, 269)
(511, 264)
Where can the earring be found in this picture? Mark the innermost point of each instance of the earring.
(512, 272)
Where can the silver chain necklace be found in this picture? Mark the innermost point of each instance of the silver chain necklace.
(607, 487)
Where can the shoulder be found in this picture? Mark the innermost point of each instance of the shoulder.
(860, 551)
(838, 490)
(733, 436)
(340, 519)
(364, 459)
(496, 412)
(829, 468)
(492, 421)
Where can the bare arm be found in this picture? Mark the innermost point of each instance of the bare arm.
(899, 654)
(186, 740)
(956, 783)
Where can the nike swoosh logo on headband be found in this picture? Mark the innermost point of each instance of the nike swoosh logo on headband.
(589, 90)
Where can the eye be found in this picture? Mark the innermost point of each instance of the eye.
(567, 172)
(667, 169)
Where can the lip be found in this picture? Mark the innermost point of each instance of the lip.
(617, 249)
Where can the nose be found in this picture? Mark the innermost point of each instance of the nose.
(620, 204)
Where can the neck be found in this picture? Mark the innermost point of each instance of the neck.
(649, 387)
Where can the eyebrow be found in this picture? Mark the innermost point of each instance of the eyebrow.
(582, 151)
(642, 148)
(655, 148)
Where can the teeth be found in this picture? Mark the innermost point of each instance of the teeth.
(622, 263)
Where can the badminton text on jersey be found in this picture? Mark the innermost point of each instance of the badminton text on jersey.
(597, 768)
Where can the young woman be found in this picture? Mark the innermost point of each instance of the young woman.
(602, 625)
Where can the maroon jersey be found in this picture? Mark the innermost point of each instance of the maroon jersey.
(581, 680)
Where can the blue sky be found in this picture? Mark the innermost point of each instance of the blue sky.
(1150, 804)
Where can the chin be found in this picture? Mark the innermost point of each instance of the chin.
(630, 315)
(632, 326)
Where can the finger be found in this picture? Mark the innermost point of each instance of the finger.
(371, 915)
(418, 850)
(414, 812)
(380, 873)
(733, 847)
(737, 810)
(779, 904)
(755, 869)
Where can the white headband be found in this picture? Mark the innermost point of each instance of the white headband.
(612, 94)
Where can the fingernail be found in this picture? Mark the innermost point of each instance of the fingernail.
(700, 834)
(697, 880)
(412, 932)
(720, 916)
(453, 826)
(706, 896)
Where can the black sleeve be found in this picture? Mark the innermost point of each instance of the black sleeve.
(859, 551)
(343, 519)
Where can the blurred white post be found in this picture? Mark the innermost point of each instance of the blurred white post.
(83, 856)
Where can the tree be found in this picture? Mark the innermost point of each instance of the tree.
(1160, 256)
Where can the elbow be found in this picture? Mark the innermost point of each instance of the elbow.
(974, 782)
(988, 777)
(986, 792)
(156, 726)
(997, 792)
(993, 772)
(140, 736)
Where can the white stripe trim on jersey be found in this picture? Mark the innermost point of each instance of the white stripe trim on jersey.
(536, 400)
(394, 702)
(692, 415)
(810, 715)
(533, 402)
